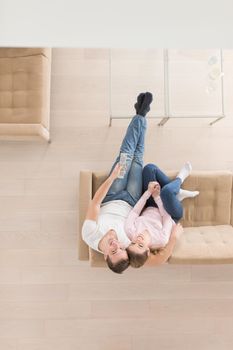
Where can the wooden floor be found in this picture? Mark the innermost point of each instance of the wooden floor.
(48, 299)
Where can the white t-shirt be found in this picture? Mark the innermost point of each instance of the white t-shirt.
(112, 216)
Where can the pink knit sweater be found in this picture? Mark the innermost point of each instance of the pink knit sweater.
(155, 220)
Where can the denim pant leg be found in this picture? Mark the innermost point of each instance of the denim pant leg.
(134, 136)
(169, 190)
(152, 173)
(133, 191)
(134, 185)
(170, 202)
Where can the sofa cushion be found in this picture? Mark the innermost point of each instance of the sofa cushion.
(24, 85)
(198, 245)
(97, 179)
(204, 245)
(213, 205)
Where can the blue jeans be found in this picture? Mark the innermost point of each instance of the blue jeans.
(129, 189)
(169, 190)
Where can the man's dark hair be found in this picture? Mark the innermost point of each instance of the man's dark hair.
(135, 259)
(118, 267)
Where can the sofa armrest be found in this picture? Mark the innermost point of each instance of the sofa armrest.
(85, 196)
(231, 222)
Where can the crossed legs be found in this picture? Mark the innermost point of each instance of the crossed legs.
(169, 190)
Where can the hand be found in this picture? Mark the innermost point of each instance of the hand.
(178, 230)
(116, 171)
(156, 192)
(153, 186)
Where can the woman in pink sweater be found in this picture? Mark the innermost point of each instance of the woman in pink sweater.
(150, 229)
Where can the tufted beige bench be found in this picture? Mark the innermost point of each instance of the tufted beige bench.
(24, 92)
(207, 221)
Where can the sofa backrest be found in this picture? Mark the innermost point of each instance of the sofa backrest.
(211, 207)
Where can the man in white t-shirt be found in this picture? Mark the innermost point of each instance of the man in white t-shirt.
(103, 228)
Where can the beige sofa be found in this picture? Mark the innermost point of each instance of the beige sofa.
(24, 92)
(207, 221)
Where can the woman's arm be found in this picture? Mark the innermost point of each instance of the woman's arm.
(94, 206)
(164, 254)
(167, 221)
(137, 209)
(134, 214)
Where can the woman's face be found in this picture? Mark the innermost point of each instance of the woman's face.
(140, 244)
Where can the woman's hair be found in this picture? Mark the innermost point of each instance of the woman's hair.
(135, 259)
(118, 267)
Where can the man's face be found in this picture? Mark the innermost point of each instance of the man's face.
(113, 248)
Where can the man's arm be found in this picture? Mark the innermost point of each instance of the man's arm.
(164, 254)
(94, 206)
